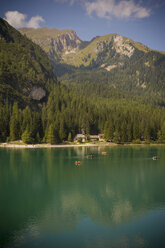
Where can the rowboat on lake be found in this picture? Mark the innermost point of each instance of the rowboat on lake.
(104, 153)
(78, 162)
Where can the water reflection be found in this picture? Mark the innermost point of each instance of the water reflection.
(42, 192)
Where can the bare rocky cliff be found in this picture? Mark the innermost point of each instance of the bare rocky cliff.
(64, 47)
(54, 41)
(66, 42)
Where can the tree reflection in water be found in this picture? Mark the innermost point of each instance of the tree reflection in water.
(42, 192)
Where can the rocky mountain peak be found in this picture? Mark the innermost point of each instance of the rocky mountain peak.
(66, 41)
(120, 44)
(53, 40)
(123, 46)
(65, 47)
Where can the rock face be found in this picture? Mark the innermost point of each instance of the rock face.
(61, 43)
(66, 42)
(123, 47)
(64, 47)
(37, 93)
(53, 41)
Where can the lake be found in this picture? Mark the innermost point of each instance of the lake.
(112, 200)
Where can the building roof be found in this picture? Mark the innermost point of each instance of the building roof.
(80, 136)
(101, 134)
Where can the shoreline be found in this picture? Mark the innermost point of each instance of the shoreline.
(31, 146)
(34, 146)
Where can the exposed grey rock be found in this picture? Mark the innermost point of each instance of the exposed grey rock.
(37, 93)
(122, 46)
(66, 42)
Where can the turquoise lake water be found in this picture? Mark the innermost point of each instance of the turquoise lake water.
(113, 200)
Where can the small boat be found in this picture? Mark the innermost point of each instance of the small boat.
(104, 153)
(154, 158)
(78, 162)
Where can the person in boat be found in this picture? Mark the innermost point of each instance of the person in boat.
(78, 162)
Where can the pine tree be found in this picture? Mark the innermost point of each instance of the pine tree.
(27, 137)
(14, 123)
(70, 137)
(38, 139)
(27, 119)
(51, 135)
(161, 133)
(117, 137)
(62, 131)
(136, 134)
(5, 111)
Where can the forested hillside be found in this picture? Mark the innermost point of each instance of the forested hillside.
(25, 70)
(111, 62)
(65, 114)
(125, 102)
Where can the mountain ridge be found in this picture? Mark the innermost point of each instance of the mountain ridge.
(68, 48)
(113, 60)
(53, 41)
(25, 70)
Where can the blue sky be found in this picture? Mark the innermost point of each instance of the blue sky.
(141, 20)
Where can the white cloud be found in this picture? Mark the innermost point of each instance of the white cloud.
(112, 8)
(19, 20)
(34, 22)
(122, 9)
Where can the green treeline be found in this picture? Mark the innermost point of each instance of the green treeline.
(127, 103)
(65, 114)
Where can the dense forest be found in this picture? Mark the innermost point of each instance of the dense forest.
(133, 80)
(126, 104)
(64, 115)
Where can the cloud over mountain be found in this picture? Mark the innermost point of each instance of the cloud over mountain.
(19, 20)
(112, 8)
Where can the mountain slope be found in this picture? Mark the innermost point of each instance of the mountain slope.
(25, 70)
(106, 79)
(55, 42)
(72, 51)
(112, 60)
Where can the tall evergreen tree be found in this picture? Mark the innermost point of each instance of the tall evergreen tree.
(14, 123)
(27, 137)
(51, 135)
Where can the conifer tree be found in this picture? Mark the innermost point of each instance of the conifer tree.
(70, 137)
(161, 133)
(117, 137)
(14, 123)
(62, 131)
(38, 139)
(51, 135)
(27, 137)
(27, 119)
